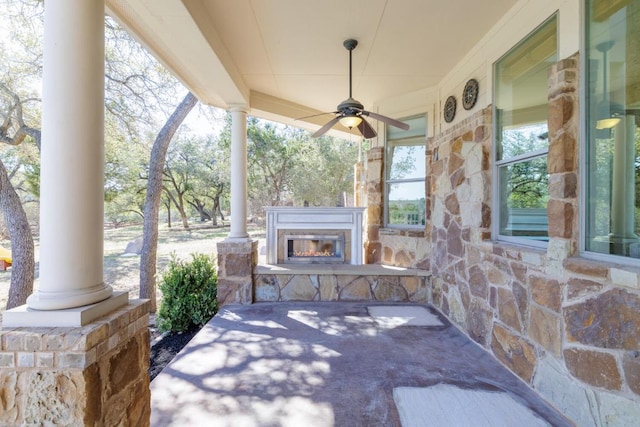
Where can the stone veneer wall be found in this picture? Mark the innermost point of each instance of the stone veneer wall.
(340, 287)
(568, 326)
(97, 374)
(236, 261)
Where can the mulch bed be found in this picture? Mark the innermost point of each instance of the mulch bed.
(165, 347)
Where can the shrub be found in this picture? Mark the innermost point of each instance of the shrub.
(189, 291)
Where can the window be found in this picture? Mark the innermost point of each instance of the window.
(405, 174)
(612, 202)
(520, 115)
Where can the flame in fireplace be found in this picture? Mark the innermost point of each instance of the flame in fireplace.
(313, 253)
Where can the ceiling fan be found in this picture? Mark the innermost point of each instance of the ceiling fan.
(351, 113)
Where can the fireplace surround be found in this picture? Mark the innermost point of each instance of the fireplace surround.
(340, 227)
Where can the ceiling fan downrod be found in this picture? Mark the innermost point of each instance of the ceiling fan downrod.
(350, 44)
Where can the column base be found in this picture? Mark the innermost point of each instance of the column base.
(97, 374)
(25, 316)
(40, 300)
(238, 238)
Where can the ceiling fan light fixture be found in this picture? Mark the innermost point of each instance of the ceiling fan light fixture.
(607, 123)
(611, 115)
(350, 120)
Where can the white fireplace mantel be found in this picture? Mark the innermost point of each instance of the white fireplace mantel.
(290, 218)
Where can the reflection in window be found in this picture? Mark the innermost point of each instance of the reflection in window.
(613, 143)
(521, 112)
(405, 175)
(524, 197)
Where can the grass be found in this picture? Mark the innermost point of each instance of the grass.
(123, 272)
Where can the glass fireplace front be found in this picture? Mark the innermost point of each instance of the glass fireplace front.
(314, 248)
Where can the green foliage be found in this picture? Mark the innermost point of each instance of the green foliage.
(189, 294)
(526, 182)
(323, 171)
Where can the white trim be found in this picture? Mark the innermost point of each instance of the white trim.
(24, 316)
(582, 134)
(521, 241)
(520, 158)
(291, 218)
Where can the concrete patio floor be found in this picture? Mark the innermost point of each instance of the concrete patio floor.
(340, 364)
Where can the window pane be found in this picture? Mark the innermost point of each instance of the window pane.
(613, 152)
(522, 134)
(417, 127)
(524, 139)
(521, 89)
(524, 196)
(407, 161)
(406, 203)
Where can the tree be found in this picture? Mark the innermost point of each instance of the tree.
(272, 152)
(13, 131)
(148, 257)
(324, 172)
(22, 271)
(210, 183)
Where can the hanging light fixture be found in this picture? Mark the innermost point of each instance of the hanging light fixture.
(609, 114)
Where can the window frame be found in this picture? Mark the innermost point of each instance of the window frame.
(583, 152)
(521, 158)
(416, 140)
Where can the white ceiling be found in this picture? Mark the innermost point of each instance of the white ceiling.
(285, 57)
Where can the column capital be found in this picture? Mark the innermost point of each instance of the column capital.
(239, 108)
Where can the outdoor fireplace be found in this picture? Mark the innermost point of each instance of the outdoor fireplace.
(314, 235)
(314, 248)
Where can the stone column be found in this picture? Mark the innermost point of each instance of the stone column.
(375, 205)
(562, 162)
(236, 262)
(238, 173)
(71, 184)
(358, 184)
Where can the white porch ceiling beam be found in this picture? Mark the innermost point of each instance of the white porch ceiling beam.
(169, 30)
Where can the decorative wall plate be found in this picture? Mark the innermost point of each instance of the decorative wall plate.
(450, 109)
(470, 94)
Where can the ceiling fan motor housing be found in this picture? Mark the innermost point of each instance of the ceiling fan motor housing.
(350, 105)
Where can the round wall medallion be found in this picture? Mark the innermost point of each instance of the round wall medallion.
(450, 109)
(470, 94)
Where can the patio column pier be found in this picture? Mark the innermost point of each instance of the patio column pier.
(72, 178)
(237, 254)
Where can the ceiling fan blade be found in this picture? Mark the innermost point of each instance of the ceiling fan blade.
(366, 130)
(316, 115)
(387, 120)
(326, 127)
